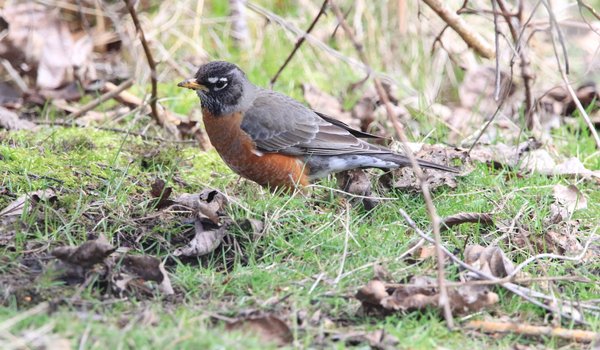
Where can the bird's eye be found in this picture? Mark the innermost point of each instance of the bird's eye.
(220, 85)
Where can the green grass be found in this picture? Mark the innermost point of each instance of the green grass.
(103, 182)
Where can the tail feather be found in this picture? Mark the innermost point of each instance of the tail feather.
(403, 161)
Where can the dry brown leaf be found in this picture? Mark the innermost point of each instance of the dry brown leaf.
(161, 194)
(9, 120)
(490, 260)
(148, 268)
(204, 241)
(527, 157)
(357, 182)
(87, 254)
(569, 197)
(268, 328)
(209, 204)
(16, 207)
(420, 293)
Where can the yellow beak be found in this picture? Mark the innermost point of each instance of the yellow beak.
(192, 84)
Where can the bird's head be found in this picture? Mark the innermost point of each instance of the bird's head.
(222, 87)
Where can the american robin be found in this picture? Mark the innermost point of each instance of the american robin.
(276, 141)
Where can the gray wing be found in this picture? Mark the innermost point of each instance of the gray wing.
(278, 123)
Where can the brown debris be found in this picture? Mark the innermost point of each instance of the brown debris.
(268, 328)
(87, 254)
(358, 183)
(210, 223)
(462, 218)
(420, 293)
(490, 260)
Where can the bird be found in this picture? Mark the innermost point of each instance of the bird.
(276, 141)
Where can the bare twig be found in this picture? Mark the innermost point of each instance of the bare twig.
(346, 224)
(154, 94)
(525, 64)
(577, 335)
(582, 4)
(497, 47)
(103, 98)
(299, 42)
(435, 220)
(470, 36)
(322, 46)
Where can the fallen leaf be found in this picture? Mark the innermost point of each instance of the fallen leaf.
(356, 182)
(404, 178)
(204, 241)
(490, 260)
(420, 293)
(16, 207)
(148, 268)
(268, 328)
(87, 254)
(209, 204)
(161, 194)
(569, 197)
(528, 157)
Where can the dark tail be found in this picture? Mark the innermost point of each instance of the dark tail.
(403, 161)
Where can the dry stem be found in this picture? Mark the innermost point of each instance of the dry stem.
(299, 42)
(103, 98)
(470, 36)
(138, 27)
(577, 335)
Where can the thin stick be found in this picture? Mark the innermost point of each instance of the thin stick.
(435, 219)
(577, 335)
(526, 73)
(346, 224)
(299, 42)
(497, 47)
(103, 98)
(151, 63)
(470, 36)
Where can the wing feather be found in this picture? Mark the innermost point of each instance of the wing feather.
(278, 123)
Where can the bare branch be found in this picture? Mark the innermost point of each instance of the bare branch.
(138, 27)
(299, 42)
(470, 36)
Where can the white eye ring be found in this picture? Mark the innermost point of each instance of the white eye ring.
(220, 85)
